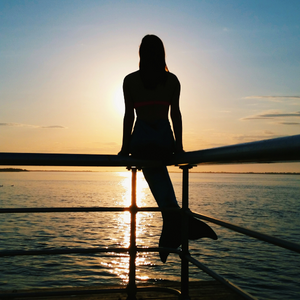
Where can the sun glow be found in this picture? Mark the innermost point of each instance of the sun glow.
(118, 101)
(141, 186)
(124, 218)
(120, 264)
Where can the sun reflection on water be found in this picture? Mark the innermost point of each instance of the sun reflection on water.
(119, 264)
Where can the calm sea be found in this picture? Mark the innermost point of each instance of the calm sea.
(266, 203)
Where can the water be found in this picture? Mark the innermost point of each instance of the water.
(265, 203)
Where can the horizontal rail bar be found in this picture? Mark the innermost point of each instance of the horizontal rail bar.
(75, 160)
(81, 209)
(261, 236)
(82, 251)
(219, 278)
(60, 251)
(75, 292)
(285, 149)
(61, 209)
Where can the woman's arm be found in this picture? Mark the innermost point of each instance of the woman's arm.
(127, 121)
(176, 119)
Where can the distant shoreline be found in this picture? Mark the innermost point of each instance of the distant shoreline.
(13, 170)
(207, 172)
(263, 173)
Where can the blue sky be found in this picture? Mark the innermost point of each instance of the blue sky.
(62, 64)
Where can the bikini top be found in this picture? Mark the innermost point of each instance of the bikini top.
(145, 103)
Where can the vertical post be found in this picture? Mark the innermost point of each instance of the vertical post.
(131, 287)
(184, 233)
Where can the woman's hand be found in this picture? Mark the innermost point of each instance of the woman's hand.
(179, 150)
(123, 152)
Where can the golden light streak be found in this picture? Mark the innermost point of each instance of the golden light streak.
(118, 101)
(120, 264)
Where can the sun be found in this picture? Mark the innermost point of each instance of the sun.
(118, 101)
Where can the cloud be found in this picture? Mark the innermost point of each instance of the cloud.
(31, 126)
(273, 115)
(53, 127)
(17, 125)
(273, 98)
(289, 123)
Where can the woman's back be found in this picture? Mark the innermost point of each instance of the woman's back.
(151, 104)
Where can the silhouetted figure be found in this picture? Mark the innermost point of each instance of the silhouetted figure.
(151, 92)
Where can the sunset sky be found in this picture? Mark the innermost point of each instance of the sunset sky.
(62, 63)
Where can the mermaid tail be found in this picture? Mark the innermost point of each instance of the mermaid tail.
(199, 229)
(162, 189)
(171, 232)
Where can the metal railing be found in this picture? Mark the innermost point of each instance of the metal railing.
(285, 149)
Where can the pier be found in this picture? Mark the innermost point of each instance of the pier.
(269, 151)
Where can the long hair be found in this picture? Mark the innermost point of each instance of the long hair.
(153, 67)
